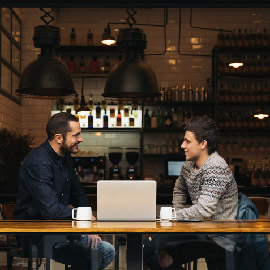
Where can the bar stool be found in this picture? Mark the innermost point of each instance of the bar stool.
(22, 247)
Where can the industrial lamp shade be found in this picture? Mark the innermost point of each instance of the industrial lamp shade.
(47, 76)
(131, 79)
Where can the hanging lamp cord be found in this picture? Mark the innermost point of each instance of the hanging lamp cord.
(47, 18)
(130, 19)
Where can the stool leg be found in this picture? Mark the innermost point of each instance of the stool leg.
(116, 258)
(9, 261)
(48, 265)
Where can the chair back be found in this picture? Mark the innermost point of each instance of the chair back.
(7, 210)
(262, 204)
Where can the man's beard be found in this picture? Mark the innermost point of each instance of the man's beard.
(65, 148)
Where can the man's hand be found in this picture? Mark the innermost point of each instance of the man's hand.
(164, 259)
(93, 240)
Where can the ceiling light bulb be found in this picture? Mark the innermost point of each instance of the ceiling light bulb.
(261, 115)
(236, 65)
(108, 42)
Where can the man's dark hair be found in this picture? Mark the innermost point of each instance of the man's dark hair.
(59, 124)
(204, 128)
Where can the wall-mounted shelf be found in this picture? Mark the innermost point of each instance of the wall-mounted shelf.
(82, 49)
(120, 129)
(169, 129)
(89, 75)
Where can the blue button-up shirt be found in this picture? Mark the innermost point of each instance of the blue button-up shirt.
(47, 184)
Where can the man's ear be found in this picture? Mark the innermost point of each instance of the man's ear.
(58, 138)
(204, 144)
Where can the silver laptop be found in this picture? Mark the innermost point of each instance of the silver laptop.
(126, 200)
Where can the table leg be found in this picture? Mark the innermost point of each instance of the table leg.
(134, 251)
(33, 253)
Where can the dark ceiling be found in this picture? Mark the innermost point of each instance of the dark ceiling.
(136, 3)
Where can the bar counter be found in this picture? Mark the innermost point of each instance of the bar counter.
(261, 225)
(133, 230)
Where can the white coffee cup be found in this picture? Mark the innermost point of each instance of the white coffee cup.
(167, 213)
(82, 213)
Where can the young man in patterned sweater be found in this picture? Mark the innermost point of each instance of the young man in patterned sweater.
(205, 176)
(208, 180)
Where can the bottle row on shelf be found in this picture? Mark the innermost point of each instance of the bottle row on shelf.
(241, 118)
(73, 38)
(245, 90)
(169, 117)
(109, 117)
(244, 37)
(94, 66)
(259, 172)
(183, 94)
(250, 63)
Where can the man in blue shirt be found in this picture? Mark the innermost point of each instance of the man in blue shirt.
(48, 183)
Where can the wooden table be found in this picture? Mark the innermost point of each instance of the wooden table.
(134, 230)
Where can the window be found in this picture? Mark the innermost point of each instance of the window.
(10, 53)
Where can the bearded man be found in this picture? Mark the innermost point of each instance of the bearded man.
(48, 183)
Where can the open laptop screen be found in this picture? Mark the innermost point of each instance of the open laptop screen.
(126, 200)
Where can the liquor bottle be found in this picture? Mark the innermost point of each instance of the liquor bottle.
(265, 38)
(147, 119)
(61, 104)
(240, 39)
(168, 120)
(105, 120)
(71, 64)
(112, 111)
(154, 122)
(95, 65)
(190, 93)
(252, 40)
(126, 111)
(169, 94)
(107, 65)
(120, 104)
(227, 39)
(162, 92)
(259, 38)
(234, 39)
(196, 94)
(82, 65)
(176, 93)
(202, 94)
(183, 93)
(103, 104)
(246, 38)
(90, 120)
(89, 38)
(76, 102)
(119, 119)
(180, 117)
(98, 110)
(174, 117)
(72, 37)
(131, 119)
(91, 102)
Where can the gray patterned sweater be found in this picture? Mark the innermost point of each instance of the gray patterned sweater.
(212, 189)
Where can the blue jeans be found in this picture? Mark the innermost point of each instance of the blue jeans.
(75, 251)
(101, 256)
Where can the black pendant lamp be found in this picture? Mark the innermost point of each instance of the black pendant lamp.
(131, 78)
(47, 76)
